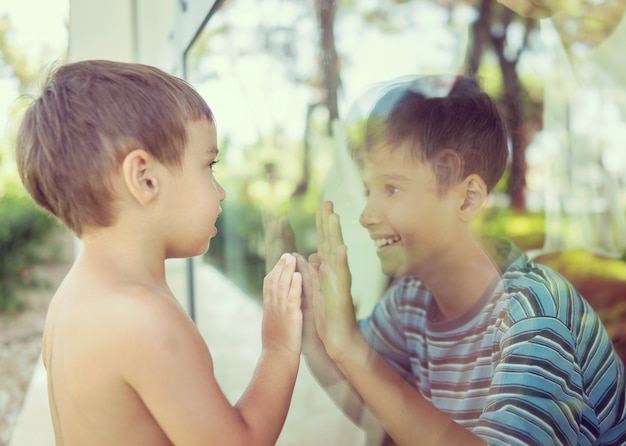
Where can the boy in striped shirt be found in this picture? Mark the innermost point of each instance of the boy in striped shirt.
(471, 346)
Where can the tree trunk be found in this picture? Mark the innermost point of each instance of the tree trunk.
(329, 58)
(479, 37)
(511, 102)
(483, 33)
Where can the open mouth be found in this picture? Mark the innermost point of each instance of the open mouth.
(385, 242)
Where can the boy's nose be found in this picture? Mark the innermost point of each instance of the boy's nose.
(368, 217)
(221, 191)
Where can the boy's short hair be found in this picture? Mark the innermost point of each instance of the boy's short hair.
(90, 115)
(435, 113)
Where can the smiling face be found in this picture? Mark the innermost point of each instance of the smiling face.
(193, 195)
(410, 220)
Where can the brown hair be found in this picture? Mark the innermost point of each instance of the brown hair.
(465, 120)
(90, 115)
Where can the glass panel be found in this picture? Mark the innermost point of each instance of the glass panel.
(283, 75)
(261, 67)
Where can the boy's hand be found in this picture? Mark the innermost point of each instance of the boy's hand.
(333, 308)
(310, 290)
(282, 315)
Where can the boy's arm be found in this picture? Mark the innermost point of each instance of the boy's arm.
(275, 376)
(404, 413)
(175, 380)
(320, 364)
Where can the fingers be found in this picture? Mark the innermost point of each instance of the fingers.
(310, 292)
(307, 269)
(310, 281)
(295, 290)
(289, 276)
(314, 261)
(327, 210)
(323, 242)
(282, 314)
(333, 288)
(281, 281)
(329, 234)
(334, 230)
(321, 236)
(308, 273)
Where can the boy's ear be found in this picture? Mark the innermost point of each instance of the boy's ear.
(138, 170)
(474, 196)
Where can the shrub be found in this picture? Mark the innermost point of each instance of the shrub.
(23, 231)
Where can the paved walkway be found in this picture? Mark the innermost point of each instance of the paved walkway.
(230, 322)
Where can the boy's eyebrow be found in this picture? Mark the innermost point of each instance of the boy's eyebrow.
(213, 151)
(398, 178)
(394, 176)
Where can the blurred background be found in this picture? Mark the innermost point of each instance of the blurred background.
(282, 76)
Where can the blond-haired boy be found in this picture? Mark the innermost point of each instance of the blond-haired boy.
(123, 154)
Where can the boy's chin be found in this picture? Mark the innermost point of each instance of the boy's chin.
(392, 262)
(202, 251)
(191, 252)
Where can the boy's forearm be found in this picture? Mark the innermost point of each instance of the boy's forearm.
(320, 364)
(403, 412)
(333, 382)
(264, 405)
(339, 390)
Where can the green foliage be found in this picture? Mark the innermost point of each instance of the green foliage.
(23, 232)
(584, 265)
(525, 229)
(24, 228)
(267, 179)
(239, 248)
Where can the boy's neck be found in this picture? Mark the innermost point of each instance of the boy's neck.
(132, 259)
(459, 280)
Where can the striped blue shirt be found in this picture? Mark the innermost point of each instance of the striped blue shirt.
(529, 364)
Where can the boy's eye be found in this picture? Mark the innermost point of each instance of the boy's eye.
(391, 190)
(213, 163)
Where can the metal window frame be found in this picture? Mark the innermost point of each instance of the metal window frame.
(192, 17)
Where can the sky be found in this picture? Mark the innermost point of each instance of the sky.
(38, 21)
(35, 23)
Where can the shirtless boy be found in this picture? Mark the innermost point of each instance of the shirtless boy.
(123, 155)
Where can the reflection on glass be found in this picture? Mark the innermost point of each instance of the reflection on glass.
(263, 67)
(266, 69)
(254, 67)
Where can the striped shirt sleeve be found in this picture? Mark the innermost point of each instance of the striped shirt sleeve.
(536, 395)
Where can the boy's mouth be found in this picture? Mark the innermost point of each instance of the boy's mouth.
(384, 242)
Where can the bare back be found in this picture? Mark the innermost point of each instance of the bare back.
(127, 366)
(88, 342)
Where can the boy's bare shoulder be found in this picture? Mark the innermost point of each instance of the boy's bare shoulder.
(116, 321)
(118, 353)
